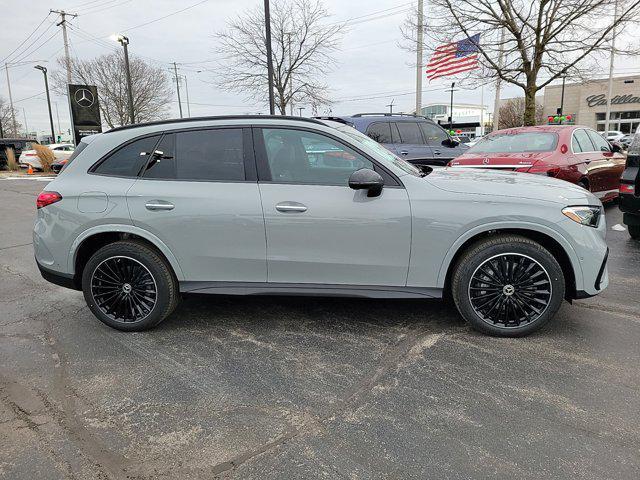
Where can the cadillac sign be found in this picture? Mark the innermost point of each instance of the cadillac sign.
(601, 99)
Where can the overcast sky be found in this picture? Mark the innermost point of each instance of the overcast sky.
(369, 63)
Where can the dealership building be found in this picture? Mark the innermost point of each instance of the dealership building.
(587, 102)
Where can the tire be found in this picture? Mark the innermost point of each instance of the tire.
(634, 231)
(492, 286)
(129, 287)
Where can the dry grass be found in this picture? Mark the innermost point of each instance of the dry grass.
(45, 155)
(12, 163)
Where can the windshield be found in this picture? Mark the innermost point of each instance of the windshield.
(380, 150)
(516, 143)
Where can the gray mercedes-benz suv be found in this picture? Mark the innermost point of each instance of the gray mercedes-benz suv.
(279, 205)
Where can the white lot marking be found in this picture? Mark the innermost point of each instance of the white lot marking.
(619, 228)
(36, 178)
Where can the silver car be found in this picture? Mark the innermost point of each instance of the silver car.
(260, 205)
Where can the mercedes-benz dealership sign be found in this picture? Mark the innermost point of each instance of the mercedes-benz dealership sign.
(85, 111)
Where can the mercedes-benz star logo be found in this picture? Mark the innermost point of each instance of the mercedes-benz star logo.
(84, 97)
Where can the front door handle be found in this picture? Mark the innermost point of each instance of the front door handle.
(437, 152)
(287, 207)
(155, 205)
(404, 152)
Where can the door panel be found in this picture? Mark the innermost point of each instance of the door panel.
(342, 237)
(215, 229)
(412, 146)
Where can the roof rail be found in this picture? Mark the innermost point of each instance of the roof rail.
(387, 114)
(334, 119)
(214, 117)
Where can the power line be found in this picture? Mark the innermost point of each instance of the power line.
(91, 10)
(165, 16)
(33, 42)
(25, 40)
(26, 55)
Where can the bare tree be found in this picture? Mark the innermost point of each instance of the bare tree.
(512, 113)
(301, 51)
(151, 87)
(544, 40)
(7, 119)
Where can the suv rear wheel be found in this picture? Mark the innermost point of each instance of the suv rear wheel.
(128, 286)
(507, 285)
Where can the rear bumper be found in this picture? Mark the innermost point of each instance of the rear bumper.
(62, 279)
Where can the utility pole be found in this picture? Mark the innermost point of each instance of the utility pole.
(175, 71)
(391, 106)
(58, 116)
(300, 109)
(63, 24)
(290, 77)
(267, 31)
(13, 113)
(46, 87)
(186, 89)
(1, 130)
(26, 126)
(419, 49)
(496, 104)
(611, 58)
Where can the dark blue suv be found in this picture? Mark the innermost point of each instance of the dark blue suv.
(414, 138)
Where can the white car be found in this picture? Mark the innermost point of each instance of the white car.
(613, 135)
(61, 151)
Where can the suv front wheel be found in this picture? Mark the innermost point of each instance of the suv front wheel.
(128, 286)
(507, 285)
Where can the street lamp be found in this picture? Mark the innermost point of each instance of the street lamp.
(124, 41)
(46, 86)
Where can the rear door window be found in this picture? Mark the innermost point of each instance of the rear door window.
(210, 155)
(162, 163)
(409, 133)
(128, 160)
(380, 132)
(601, 145)
(581, 142)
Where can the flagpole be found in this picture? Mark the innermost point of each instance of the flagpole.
(419, 48)
(611, 58)
(482, 110)
(496, 104)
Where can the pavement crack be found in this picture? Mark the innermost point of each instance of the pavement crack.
(16, 246)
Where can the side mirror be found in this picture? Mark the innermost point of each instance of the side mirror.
(450, 142)
(367, 179)
(616, 147)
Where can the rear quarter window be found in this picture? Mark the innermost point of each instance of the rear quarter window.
(129, 159)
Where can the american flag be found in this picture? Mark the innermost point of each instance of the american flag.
(453, 58)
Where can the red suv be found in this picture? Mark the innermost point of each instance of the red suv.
(573, 153)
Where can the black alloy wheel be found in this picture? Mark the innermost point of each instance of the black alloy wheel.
(510, 290)
(124, 289)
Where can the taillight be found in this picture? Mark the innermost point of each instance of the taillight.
(550, 170)
(47, 198)
(628, 188)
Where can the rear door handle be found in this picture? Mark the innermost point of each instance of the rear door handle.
(437, 152)
(404, 152)
(287, 207)
(154, 205)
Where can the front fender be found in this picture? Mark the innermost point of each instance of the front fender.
(122, 228)
(506, 225)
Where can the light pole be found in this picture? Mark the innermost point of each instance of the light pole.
(267, 32)
(124, 41)
(300, 109)
(46, 87)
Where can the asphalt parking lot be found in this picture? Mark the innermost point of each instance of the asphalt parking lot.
(311, 388)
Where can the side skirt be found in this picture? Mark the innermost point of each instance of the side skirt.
(308, 289)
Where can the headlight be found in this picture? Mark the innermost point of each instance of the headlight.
(589, 216)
